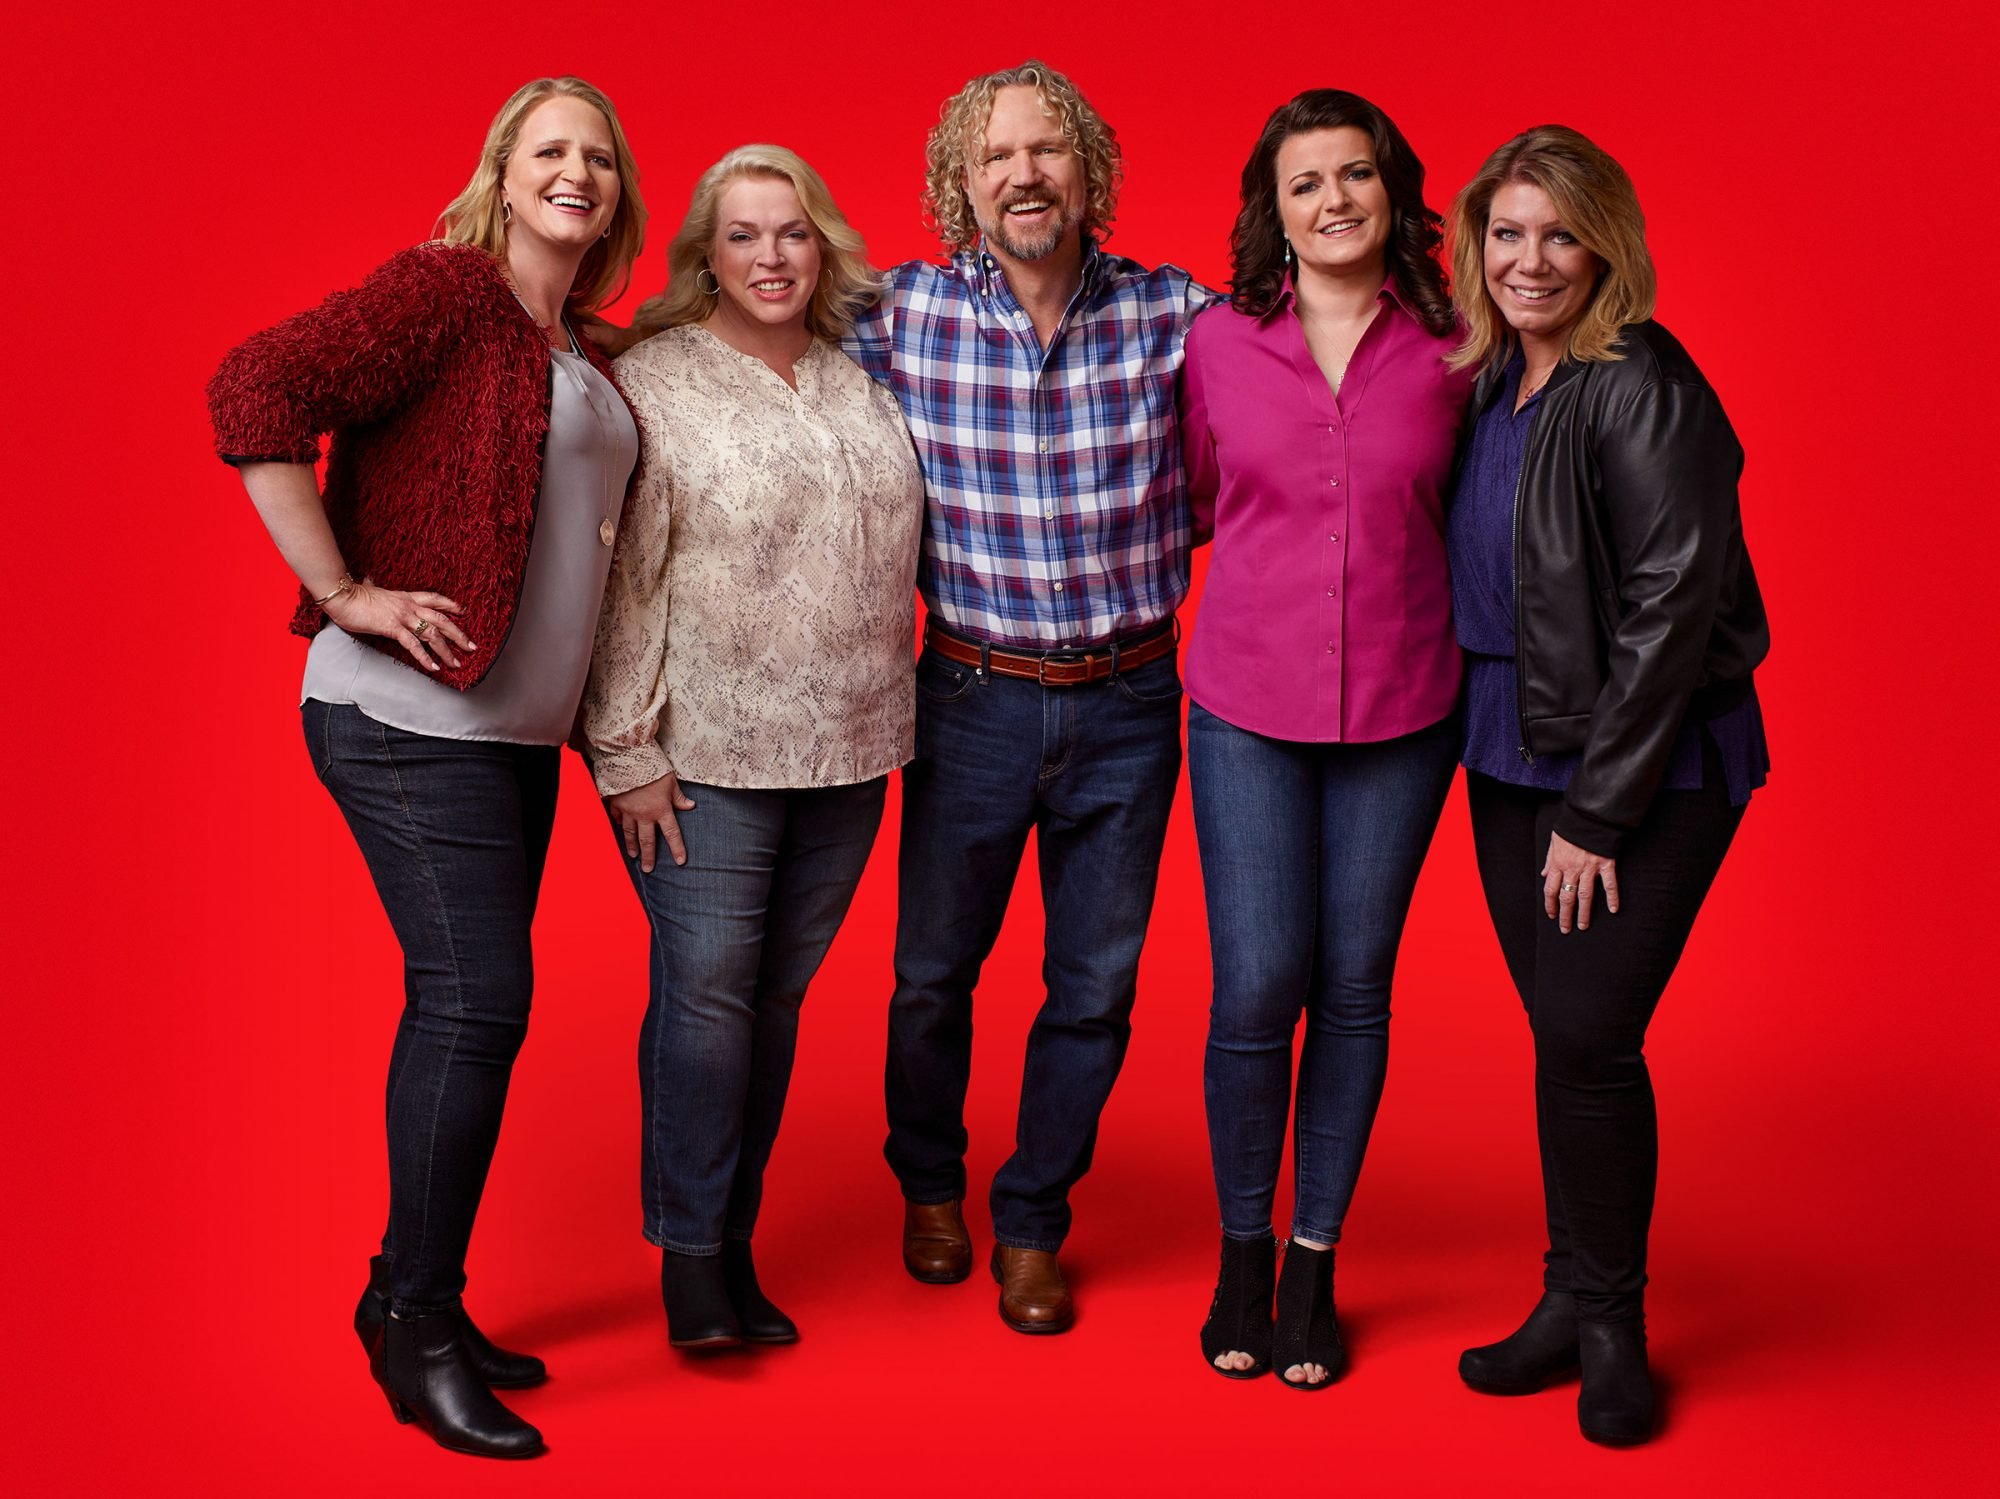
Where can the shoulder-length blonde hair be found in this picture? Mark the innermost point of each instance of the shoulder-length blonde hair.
(847, 286)
(1595, 201)
(474, 217)
(961, 128)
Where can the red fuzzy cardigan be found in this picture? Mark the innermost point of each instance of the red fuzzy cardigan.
(434, 382)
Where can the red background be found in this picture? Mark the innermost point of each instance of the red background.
(203, 987)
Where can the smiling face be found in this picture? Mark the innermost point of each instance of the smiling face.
(765, 254)
(1333, 203)
(1537, 272)
(1025, 180)
(562, 179)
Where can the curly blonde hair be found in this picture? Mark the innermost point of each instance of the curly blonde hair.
(474, 217)
(847, 285)
(961, 128)
(1597, 203)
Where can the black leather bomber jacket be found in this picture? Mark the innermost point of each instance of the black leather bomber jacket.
(1634, 600)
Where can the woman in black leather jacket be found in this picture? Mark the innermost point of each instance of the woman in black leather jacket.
(1611, 621)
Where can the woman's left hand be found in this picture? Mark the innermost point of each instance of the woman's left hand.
(1568, 877)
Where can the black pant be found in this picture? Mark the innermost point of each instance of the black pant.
(1589, 997)
(455, 833)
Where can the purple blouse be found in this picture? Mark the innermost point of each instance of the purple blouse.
(1326, 616)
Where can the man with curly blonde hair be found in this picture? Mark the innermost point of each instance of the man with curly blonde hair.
(1037, 374)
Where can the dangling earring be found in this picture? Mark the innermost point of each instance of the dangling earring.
(708, 291)
(1288, 254)
(506, 213)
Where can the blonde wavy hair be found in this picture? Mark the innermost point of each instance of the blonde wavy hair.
(961, 129)
(475, 217)
(1596, 202)
(847, 285)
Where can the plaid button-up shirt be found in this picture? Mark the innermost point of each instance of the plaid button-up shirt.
(1056, 510)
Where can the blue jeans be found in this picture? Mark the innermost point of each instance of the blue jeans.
(1309, 854)
(1091, 770)
(455, 833)
(738, 933)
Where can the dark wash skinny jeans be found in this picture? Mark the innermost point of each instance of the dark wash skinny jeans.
(1309, 857)
(1090, 770)
(737, 934)
(1590, 996)
(455, 833)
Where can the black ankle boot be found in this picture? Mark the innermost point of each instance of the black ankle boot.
(429, 1379)
(697, 1300)
(1615, 1405)
(500, 1368)
(1239, 1315)
(1306, 1331)
(1539, 1350)
(760, 1320)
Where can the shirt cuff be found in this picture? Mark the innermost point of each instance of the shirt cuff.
(627, 770)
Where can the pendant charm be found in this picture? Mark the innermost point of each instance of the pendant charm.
(606, 532)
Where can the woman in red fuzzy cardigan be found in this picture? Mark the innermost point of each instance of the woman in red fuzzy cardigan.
(451, 576)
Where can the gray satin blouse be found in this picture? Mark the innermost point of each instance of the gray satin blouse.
(531, 693)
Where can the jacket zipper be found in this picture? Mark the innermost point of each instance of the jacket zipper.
(1520, 696)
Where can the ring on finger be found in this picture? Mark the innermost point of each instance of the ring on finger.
(419, 627)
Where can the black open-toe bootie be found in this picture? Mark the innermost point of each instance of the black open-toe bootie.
(1307, 1331)
(699, 1314)
(1239, 1315)
(1615, 1405)
(1539, 1350)
(424, 1369)
(756, 1314)
(501, 1368)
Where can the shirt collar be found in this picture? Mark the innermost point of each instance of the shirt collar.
(984, 272)
(1288, 294)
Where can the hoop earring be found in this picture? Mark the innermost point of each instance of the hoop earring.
(708, 291)
(506, 213)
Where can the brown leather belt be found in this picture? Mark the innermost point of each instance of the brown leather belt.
(1057, 668)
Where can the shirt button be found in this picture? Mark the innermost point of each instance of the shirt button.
(1329, 648)
(1329, 593)
(1045, 447)
(1334, 537)
(1058, 587)
(1334, 482)
(1048, 515)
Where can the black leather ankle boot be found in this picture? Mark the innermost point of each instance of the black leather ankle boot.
(1539, 1350)
(1307, 1331)
(759, 1318)
(697, 1300)
(500, 1368)
(1239, 1315)
(429, 1379)
(1615, 1405)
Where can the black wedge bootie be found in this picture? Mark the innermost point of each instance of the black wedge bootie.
(1615, 1405)
(1239, 1315)
(697, 1300)
(428, 1376)
(756, 1314)
(1539, 1350)
(499, 1367)
(1307, 1331)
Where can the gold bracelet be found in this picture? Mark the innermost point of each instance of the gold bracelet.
(346, 585)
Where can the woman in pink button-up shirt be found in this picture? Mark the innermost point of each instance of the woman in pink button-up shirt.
(1319, 421)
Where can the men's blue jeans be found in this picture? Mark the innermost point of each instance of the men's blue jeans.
(1309, 855)
(1090, 770)
(455, 833)
(738, 933)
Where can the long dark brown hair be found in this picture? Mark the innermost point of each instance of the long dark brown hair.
(1257, 243)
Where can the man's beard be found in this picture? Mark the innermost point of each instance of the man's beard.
(1029, 243)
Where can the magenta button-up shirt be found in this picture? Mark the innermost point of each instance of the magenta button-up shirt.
(1326, 616)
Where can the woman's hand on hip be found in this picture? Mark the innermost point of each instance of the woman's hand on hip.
(645, 808)
(1569, 877)
(420, 622)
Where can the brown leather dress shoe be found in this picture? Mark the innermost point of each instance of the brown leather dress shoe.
(936, 1248)
(1033, 1296)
